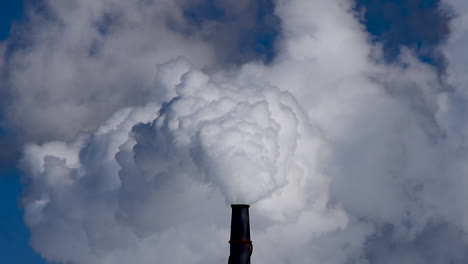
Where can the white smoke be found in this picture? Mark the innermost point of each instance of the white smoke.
(346, 159)
(239, 138)
(79, 62)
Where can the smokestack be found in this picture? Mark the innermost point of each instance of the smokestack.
(241, 245)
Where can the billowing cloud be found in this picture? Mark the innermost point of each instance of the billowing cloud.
(346, 159)
(81, 62)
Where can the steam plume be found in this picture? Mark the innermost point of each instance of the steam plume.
(346, 158)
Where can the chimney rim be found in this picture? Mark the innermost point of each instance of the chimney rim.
(240, 205)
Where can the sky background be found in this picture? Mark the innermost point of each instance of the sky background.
(14, 236)
(391, 22)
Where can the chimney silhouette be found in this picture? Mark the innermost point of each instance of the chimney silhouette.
(240, 244)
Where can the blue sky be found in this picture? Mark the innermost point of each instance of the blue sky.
(14, 236)
(14, 245)
(10, 10)
(389, 21)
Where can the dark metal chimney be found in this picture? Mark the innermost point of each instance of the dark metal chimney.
(241, 245)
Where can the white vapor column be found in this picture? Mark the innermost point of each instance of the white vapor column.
(344, 157)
